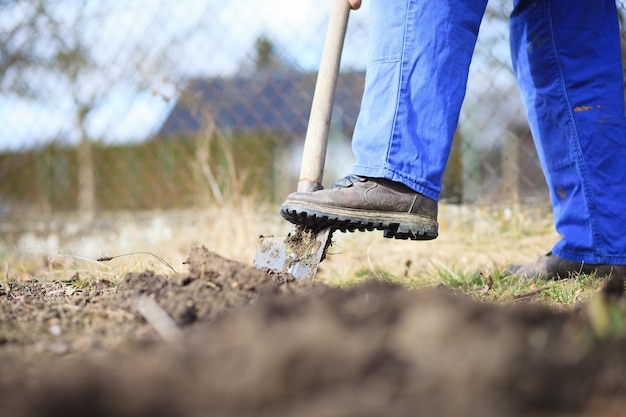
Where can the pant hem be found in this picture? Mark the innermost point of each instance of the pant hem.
(590, 259)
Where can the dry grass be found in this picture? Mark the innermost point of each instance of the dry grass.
(159, 241)
(470, 239)
(474, 248)
(475, 244)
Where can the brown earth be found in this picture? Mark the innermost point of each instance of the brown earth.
(246, 342)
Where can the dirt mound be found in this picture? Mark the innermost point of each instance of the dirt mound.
(255, 343)
(213, 286)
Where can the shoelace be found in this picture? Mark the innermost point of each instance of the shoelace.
(348, 180)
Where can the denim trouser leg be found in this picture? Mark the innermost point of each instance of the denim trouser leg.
(567, 58)
(420, 51)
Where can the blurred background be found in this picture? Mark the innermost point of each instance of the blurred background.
(144, 105)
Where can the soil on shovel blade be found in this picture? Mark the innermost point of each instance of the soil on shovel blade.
(237, 341)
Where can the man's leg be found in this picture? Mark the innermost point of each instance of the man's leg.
(567, 58)
(419, 57)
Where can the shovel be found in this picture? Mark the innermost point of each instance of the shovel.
(301, 252)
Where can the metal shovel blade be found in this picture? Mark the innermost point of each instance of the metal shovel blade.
(299, 254)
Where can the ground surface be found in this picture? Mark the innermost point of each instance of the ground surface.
(245, 342)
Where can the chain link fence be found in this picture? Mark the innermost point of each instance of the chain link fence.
(166, 104)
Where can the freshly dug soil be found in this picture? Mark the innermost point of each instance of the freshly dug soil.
(237, 341)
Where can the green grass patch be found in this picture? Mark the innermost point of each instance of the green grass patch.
(492, 285)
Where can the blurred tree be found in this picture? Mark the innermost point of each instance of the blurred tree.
(40, 55)
(65, 54)
(266, 58)
(264, 53)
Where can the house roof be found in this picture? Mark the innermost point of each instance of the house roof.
(272, 102)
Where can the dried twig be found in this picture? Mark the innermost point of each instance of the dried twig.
(530, 294)
(371, 265)
(485, 289)
(163, 261)
(158, 318)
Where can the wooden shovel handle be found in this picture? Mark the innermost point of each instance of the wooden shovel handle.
(314, 153)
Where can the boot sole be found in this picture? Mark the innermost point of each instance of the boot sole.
(394, 225)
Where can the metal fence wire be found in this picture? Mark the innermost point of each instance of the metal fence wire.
(160, 104)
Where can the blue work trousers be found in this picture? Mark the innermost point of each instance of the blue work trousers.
(567, 59)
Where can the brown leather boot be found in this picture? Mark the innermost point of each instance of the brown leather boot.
(551, 266)
(360, 203)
